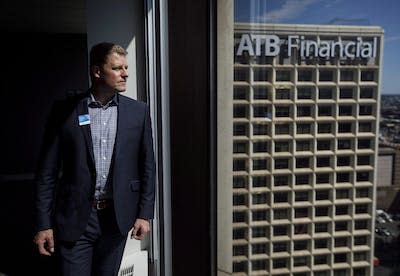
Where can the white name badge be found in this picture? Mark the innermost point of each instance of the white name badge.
(84, 119)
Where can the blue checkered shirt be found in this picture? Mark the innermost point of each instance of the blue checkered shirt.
(103, 128)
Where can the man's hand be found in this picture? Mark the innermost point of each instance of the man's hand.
(45, 242)
(140, 229)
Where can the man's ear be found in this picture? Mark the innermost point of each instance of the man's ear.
(96, 72)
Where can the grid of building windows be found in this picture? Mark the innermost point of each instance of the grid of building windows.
(304, 142)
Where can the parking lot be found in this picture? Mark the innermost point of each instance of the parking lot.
(387, 247)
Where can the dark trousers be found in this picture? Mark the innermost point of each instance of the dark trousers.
(99, 250)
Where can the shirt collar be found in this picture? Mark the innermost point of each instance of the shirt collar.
(96, 104)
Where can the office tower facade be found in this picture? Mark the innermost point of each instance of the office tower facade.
(304, 149)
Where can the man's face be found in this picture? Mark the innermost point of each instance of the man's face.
(114, 73)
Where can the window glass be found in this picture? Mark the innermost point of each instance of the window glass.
(324, 145)
(280, 246)
(304, 93)
(260, 147)
(322, 178)
(303, 179)
(240, 129)
(281, 129)
(326, 93)
(325, 128)
(304, 128)
(326, 75)
(366, 93)
(346, 93)
(321, 227)
(259, 129)
(282, 111)
(241, 93)
(259, 111)
(259, 181)
(322, 195)
(368, 75)
(304, 111)
(282, 146)
(281, 180)
(305, 75)
(282, 94)
(261, 74)
(260, 93)
(283, 75)
(303, 145)
(343, 144)
(325, 110)
(303, 148)
(347, 75)
(302, 162)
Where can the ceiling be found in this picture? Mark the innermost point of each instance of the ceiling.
(50, 16)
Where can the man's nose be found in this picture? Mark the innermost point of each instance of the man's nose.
(125, 73)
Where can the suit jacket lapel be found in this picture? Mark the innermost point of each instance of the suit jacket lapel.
(121, 121)
(82, 109)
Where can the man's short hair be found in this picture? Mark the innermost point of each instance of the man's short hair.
(100, 52)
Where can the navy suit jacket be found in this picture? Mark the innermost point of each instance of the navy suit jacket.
(66, 175)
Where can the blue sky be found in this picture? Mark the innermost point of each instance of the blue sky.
(383, 13)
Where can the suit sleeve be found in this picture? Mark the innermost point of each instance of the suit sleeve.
(146, 203)
(47, 173)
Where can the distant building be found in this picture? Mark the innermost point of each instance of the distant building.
(388, 180)
(305, 113)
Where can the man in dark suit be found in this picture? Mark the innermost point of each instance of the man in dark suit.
(96, 174)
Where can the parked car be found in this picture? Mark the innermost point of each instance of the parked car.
(381, 213)
(383, 232)
(380, 219)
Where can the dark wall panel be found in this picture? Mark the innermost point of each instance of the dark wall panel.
(37, 69)
(189, 103)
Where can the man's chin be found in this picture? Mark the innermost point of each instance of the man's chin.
(120, 90)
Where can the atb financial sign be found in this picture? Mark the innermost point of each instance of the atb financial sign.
(270, 45)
